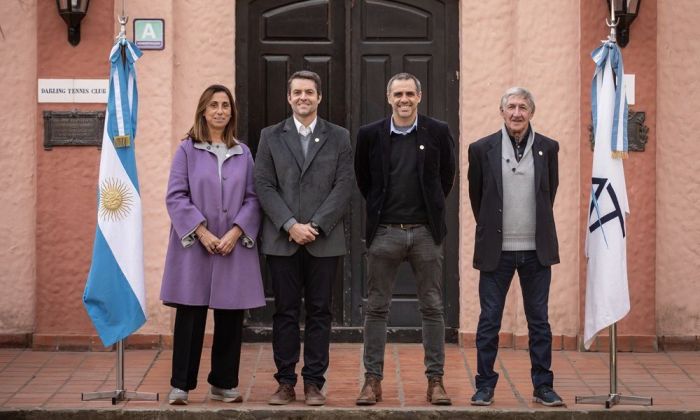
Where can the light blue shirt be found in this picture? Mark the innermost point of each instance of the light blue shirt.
(392, 127)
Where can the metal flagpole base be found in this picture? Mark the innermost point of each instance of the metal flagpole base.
(614, 399)
(120, 394)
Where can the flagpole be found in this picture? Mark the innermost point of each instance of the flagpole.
(613, 360)
(612, 23)
(120, 393)
(613, 398)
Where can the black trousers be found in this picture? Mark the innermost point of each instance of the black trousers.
(188, 339)
(292, 276)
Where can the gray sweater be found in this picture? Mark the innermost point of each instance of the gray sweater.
(518, 196)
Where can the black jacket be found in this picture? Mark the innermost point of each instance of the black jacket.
(486, 196)
(436, 170)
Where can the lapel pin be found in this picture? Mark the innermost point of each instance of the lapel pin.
(540, 153)
(228, 154)
(317, 140)
(421, 147)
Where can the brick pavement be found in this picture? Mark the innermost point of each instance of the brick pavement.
(53, 381)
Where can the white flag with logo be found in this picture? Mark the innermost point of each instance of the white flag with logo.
(607, 293)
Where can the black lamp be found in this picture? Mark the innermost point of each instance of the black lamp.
(72, 12)
(625, 12)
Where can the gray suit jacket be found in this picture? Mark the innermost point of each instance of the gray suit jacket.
(316, 189)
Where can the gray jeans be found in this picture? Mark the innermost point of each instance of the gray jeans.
(390, 247)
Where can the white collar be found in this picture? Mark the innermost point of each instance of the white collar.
(312, 126)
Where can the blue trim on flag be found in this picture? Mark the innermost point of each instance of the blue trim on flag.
(122, 70)
(108, 298)
(610, 51)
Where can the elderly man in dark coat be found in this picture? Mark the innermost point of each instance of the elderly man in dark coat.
(513, 179)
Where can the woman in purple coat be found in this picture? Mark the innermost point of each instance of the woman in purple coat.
(212, 258)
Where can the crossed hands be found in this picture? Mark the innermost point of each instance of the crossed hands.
(302, 233)
(214, 245)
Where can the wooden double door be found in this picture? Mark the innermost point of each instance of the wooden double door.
(355, 46)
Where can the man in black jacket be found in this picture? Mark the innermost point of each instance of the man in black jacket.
(405, 167)
(513, 178)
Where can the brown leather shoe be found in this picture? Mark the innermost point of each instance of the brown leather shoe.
(436, 392)
(283, 396)
(371, 391)
(313, 395)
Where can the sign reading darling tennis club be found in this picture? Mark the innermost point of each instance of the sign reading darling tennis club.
(86, 91)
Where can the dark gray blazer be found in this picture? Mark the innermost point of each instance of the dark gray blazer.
(486, 196)
(316, 189)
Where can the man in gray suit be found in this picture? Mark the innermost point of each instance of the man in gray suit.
(304, 180)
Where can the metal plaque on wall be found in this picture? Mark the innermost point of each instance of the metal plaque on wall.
(637, 132)
(73, 128)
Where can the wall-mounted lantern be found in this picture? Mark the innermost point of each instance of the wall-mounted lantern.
(72, 12)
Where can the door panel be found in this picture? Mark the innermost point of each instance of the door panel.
(276, 38)
(297, 21)
(386, 20)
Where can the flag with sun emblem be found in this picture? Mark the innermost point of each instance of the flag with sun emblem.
(114, 293)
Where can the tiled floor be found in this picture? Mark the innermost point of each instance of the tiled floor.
(55, 380)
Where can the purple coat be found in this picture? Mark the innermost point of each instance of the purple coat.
(196, 194)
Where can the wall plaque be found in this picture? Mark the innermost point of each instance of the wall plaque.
(637, 132)
(73, 128)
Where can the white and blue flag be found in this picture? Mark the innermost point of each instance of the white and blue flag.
(114, 294)
(607, 293)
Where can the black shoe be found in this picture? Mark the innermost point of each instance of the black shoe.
(545, 395)
(483, 396)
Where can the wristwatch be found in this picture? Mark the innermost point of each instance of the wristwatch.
(316, 227)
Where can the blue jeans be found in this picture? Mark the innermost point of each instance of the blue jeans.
(493, 287)
(390, 247)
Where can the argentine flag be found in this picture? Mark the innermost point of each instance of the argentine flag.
(114, 294)
(607, 293)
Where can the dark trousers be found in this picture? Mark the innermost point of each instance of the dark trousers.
(493, 287)
(390, 247)
(188, 339)
(292, 276)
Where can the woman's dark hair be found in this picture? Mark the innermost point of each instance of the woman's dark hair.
(200, 131)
